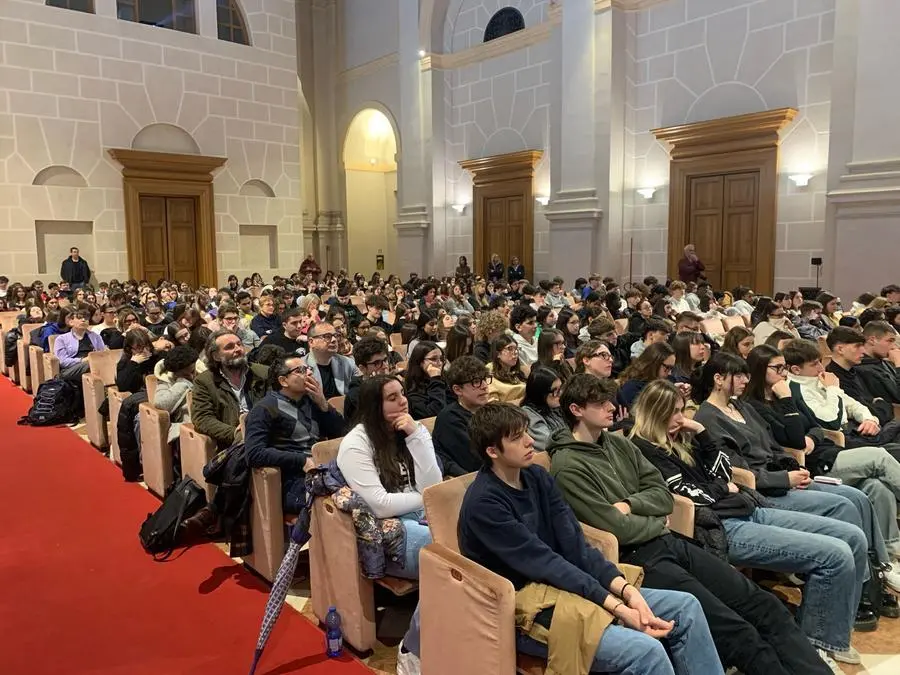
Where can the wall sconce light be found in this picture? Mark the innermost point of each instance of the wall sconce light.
(421, 53)
(801, 179)
(543, 201)
(647, 193)
(459, 208)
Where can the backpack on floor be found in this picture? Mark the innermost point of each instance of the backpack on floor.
(159, 533)
(55, 402)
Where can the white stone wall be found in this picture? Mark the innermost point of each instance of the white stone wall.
(698, 60)
(365, 34)
(467, 19)
(494, 107)
(75, 85)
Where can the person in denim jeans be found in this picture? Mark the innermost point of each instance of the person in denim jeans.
(695, 465)
(515, 522)
(388, 460)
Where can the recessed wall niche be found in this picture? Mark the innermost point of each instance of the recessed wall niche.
(56, 237)
(259, 247)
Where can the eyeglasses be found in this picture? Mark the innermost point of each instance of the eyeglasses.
(301, 370)
(777, 316)
(377, 363)
(605, 356)
(559, 343)
(328, 337)
(510, 348)
(481, 381)
(434, 359)
(556, 391)
(780, 368)
(667, 368)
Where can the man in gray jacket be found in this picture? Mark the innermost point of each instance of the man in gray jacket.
(332, 370)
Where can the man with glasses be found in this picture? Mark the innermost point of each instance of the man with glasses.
(230, 319)
(469, 380)
(372, 358)
(282, 428)
(332, 370)
(610, 485)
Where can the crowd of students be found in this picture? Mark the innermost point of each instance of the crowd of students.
(630, 395)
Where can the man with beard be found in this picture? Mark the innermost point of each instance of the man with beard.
(227, 390)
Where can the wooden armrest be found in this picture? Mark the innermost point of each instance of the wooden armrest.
(836, 437)
(743, 477)
(799, 455)
(604, 541)
(682, 518)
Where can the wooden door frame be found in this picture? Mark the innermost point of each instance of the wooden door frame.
(162, 174)
(737, 144)
(495, 177)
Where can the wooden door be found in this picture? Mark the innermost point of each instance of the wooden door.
(168, 239)
(723, 225)
(504, 227)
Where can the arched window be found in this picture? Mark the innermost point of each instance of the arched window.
(77, 5)
(505, 21)
(174, 14)
(231, 22)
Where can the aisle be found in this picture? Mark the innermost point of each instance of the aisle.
(80, 595)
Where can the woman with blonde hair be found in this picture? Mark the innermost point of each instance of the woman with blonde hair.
(695, 464)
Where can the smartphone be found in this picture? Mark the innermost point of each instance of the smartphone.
(828, 480)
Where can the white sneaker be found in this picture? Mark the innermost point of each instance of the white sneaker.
(830, 662)
(892, 577)
(850, 656)
(408, 663)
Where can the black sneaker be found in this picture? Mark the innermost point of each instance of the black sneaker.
(890, 608)
(866, 621)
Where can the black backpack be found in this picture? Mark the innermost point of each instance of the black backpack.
(11, 347)
(159, 533)
(56, 402)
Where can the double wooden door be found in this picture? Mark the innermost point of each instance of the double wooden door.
(504, 228)
(723, 225)
(169, 239)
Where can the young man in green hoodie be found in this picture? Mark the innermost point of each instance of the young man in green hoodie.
(611, 486)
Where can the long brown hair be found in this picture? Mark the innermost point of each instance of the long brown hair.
(389, 452)
(652, 411)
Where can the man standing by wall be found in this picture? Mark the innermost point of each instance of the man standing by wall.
(690, 268)
(75, 270)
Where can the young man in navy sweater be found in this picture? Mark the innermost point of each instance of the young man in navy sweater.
(514, 522)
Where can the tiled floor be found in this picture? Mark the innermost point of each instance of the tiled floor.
(880, 650)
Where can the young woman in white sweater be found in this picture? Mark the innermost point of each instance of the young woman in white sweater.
(388, 459)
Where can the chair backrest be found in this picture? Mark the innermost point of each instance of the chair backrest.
(103, 365)
(326, 451)
(151, 382)
(396, 339)
(337, 402)
(713, 326)
(442, 504)
(26, 330)
(428, 423)
(51, 341)
(732, 322)
(401, 350)
(8, 320)
(621, 326)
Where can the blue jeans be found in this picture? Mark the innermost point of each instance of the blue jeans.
(840, 502)
(792, 541)
(624, 651)
(417, 536)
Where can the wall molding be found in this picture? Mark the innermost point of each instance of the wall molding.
(368, 68)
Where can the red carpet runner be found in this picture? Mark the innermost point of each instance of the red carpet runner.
(80, 596)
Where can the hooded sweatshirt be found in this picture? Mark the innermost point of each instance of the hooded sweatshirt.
(594, 476)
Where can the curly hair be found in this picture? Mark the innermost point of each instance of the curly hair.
(490, 325)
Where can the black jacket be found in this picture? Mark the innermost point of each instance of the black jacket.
(451, 441)
(130, 375)
(351, 400)
(431, 400)
(880, 377)
(482, 351)
(856, 388)
(75, 272)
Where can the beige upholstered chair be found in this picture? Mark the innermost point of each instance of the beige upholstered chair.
(36, 366)
(335, 579)
(7, 323)
(621, 326)
(102, 374)
(22, 376)
(115, 405)
(732, 322)
(51, 363)
(196, 451)
(743, 477)
(428, 423)
(463, 603)
(337, 402)
(713, 327)
(156, 454)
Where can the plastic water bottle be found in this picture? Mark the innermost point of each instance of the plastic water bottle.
(334, 638)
